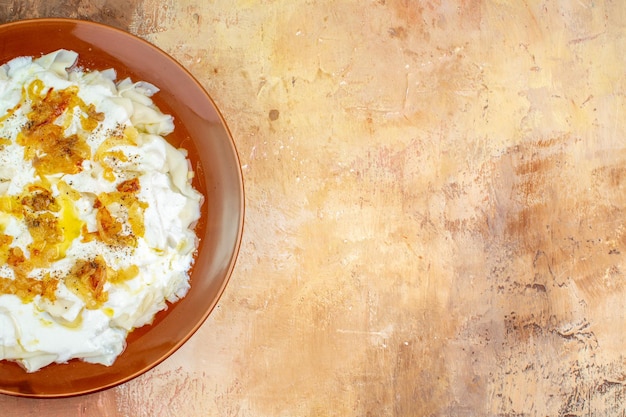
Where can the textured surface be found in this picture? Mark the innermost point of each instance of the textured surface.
(435, 205)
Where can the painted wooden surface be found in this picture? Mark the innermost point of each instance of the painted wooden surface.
(435, 208)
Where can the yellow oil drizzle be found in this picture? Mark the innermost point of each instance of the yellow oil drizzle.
(10, 206)
(69, 221)
(70, 324)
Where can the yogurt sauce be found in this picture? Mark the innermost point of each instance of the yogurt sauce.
(96, 231)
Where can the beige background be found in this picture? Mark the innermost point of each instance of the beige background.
(435, 208)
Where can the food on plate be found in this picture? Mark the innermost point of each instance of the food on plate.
(97, 211)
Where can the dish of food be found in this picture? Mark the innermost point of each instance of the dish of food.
(96, 211)
(121, 207)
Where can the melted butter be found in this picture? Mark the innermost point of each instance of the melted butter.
(45, 322)
(5, 218)
(70, 324)
(10, 206)
(11, 111)
(69, 222)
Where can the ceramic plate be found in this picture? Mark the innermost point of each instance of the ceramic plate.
(201, 130)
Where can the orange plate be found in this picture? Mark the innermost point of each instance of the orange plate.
(201, 130)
